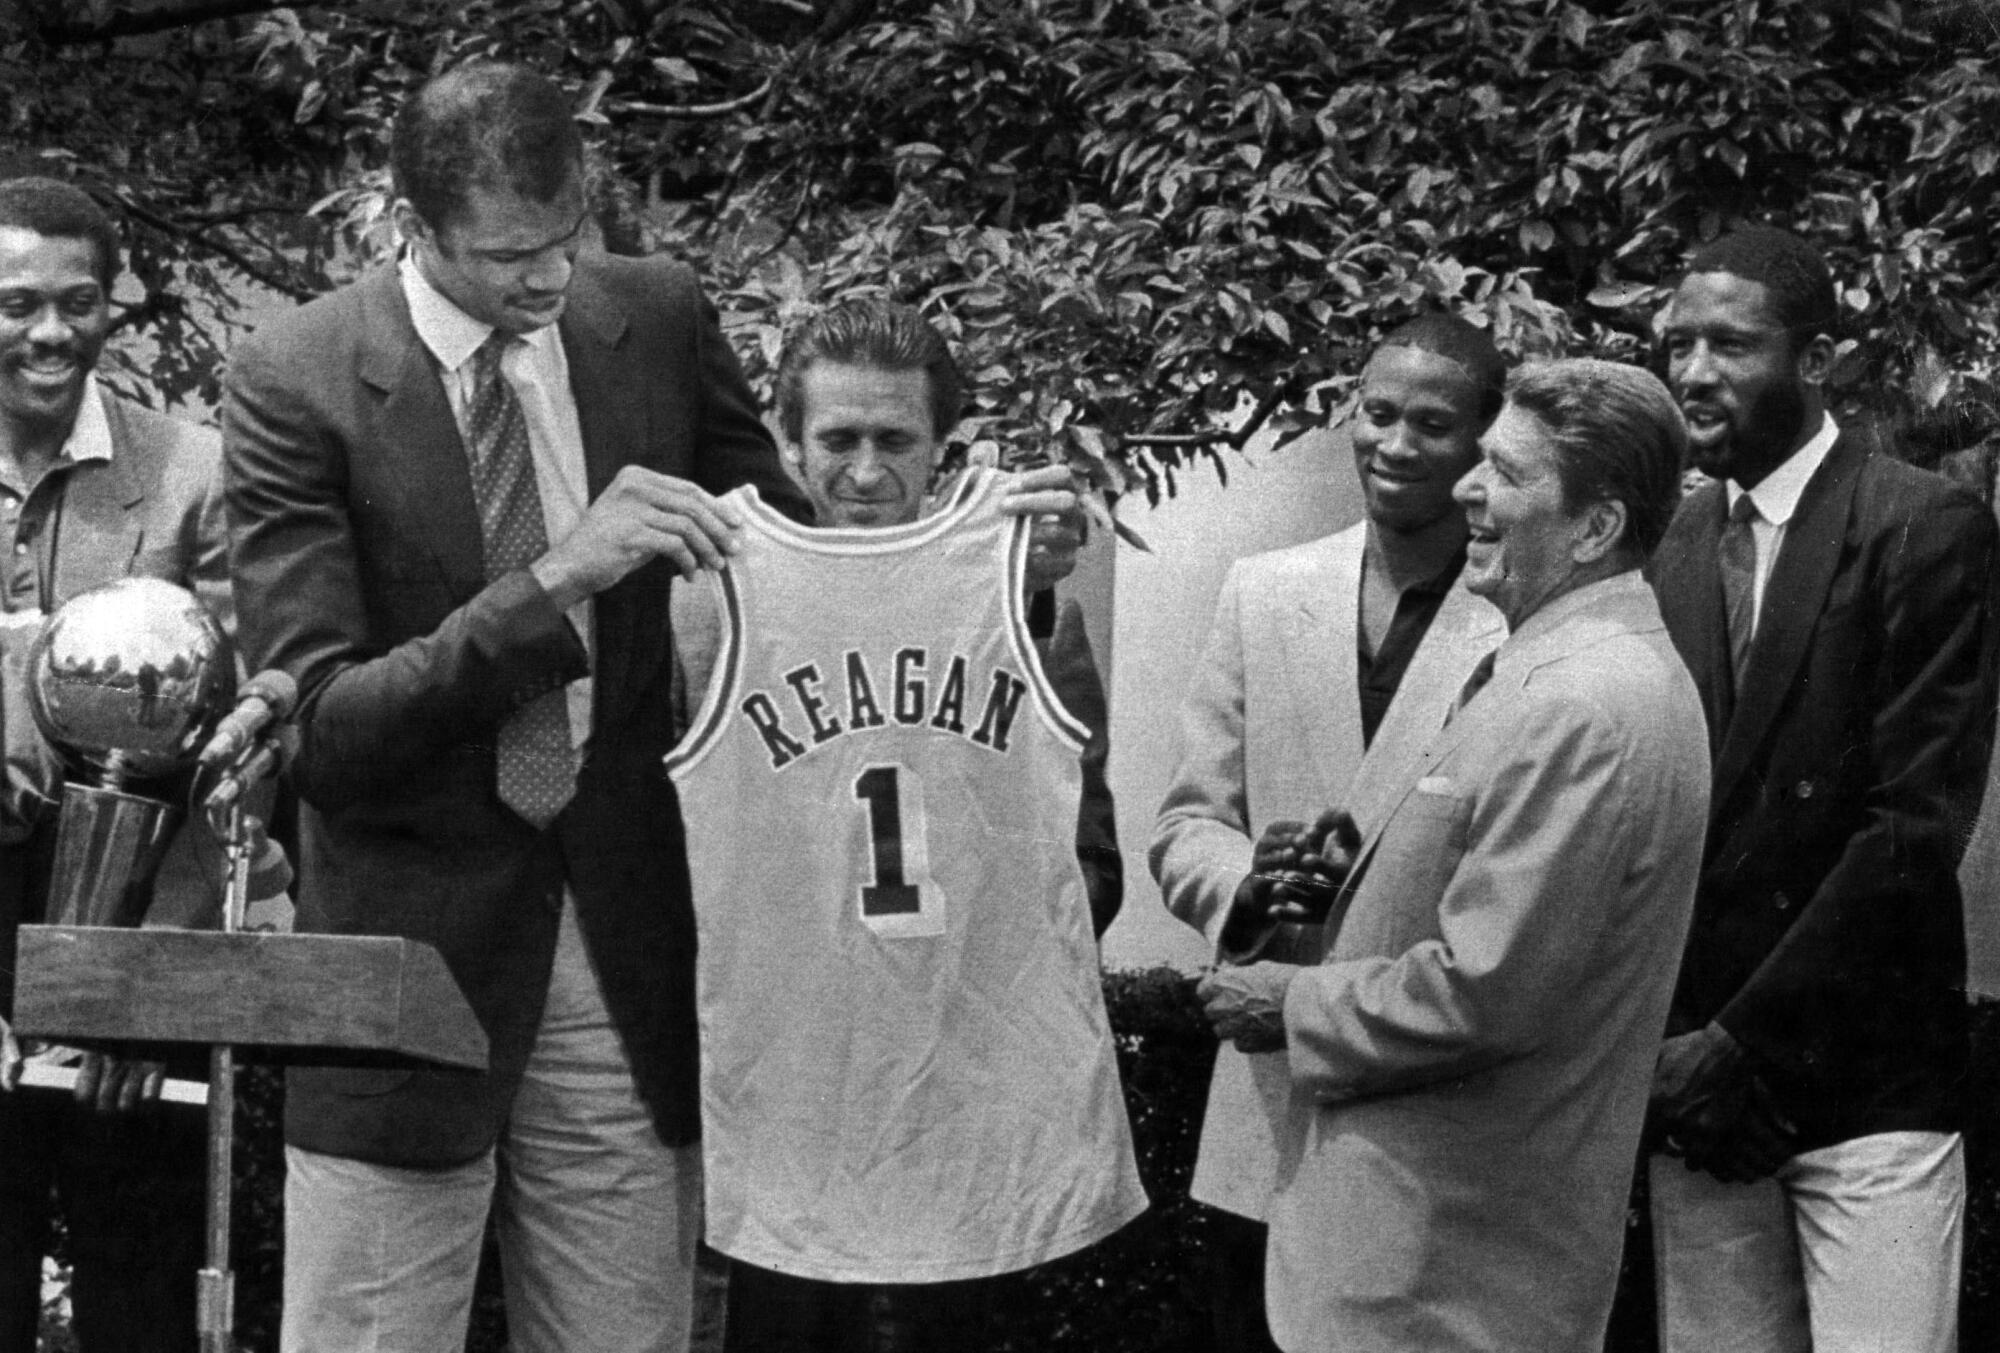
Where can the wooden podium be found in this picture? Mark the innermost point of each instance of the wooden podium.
(309, 998)
(315, 998)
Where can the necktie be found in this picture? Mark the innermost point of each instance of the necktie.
(1474, 684)
(536, 763)
(1737, 562)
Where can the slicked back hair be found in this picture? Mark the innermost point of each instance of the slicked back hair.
(1790, 270)
(1618, 437)
(1459, 341)
(885, 335)
(491, 124)
(62, 211)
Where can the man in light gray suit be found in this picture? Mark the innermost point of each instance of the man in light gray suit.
(1323, 654)
(1477, 1046)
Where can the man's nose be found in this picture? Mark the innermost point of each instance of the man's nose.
(49, 327)
(550, 271)
(866, 466)
(1696, 369)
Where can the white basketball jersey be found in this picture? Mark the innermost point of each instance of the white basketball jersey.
(907, 1074)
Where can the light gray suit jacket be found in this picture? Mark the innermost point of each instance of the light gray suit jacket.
(1271, 729)
(1479, 1042)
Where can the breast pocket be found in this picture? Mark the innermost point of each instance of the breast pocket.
(1418, 852)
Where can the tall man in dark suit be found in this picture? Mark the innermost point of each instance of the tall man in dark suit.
(1834, 607)
(93, 488)
(458, 491)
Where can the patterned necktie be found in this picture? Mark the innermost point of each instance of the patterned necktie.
(1474, 684)
(536, 763)
(1737, 562)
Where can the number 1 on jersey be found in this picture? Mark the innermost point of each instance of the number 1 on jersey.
(899, 899)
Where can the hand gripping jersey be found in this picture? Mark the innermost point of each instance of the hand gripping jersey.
(907, 1074)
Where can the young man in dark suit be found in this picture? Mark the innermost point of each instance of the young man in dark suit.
(458, 490)
(1834, 606)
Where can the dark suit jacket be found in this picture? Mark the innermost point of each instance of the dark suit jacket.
(357, 566)
(1827, 933)
(154, 510)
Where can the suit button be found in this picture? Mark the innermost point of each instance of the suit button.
(1804, 789)
(1781, 902)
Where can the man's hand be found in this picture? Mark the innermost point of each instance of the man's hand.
(116, 1084)
(642, 515)
(1715, 1111)
(1049, 496)
(1296, 870)
(10, 1057)
(1247, 1005)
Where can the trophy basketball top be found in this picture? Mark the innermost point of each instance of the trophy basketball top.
(131, 678)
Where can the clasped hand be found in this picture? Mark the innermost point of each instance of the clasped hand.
(1715, 1111)
(1246, 1005)
(1296, 871)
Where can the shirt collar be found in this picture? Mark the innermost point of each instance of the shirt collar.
(90, 434)
(451, 334)
(1777, 493)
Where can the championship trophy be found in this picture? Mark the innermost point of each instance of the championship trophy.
(131, 682)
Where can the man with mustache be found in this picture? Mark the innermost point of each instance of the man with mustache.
(1328, 665)
(1834, 607)
(93, 488)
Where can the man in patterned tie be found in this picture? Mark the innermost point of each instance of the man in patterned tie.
(459, 489)
(1835, 607)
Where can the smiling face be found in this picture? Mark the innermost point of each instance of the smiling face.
(504, 259)
(1524, 545)
(1415, 431)
(866, 448)
(54, 315)
(1747, 392)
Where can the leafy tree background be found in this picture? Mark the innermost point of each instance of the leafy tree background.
(1139, 218)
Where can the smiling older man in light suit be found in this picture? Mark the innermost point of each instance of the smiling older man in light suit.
(1477, 1046)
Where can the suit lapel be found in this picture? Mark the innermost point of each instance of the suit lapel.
(1687, 582)
(100, 526)
(1320, 661)
(425, 455)
(1793, 600)
(1464, 629)
(610, 410)
(608, 381)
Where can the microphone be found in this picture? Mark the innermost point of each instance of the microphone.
(267, 698)
(266, 757)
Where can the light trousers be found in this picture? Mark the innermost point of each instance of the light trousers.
(1851, 1248)
(597, 1220)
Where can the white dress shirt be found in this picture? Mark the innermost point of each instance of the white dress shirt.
(1777, 500)
(538, 373)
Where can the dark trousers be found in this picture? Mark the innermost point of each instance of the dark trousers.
(1233, 1272)
(131, 1192)
(777, 1313)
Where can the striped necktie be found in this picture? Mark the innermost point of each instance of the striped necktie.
(535, 764)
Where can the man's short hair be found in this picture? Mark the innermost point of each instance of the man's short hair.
(886, 335)
(1618, 437)
(1791, 270)
(490, 124)
(1459, 341)
(62, 211)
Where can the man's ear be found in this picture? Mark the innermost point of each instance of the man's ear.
(1815, 360)
(1603, 528)
(410, 226)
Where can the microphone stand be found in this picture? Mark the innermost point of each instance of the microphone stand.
(215, 1300)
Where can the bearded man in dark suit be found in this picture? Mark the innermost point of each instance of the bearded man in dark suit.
(1834, 605)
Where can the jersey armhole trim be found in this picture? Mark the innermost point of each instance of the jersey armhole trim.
(706, 727)
(1064, 724)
